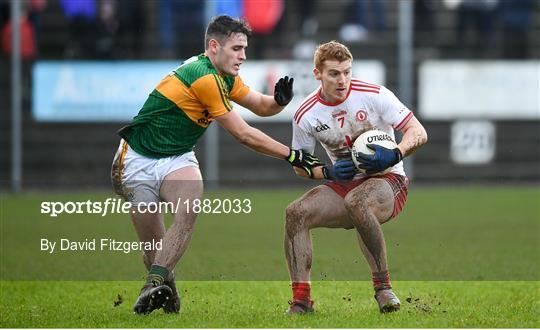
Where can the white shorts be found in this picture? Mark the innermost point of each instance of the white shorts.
(138, 178)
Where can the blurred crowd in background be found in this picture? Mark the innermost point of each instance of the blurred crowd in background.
(136, 29)
(454, 44)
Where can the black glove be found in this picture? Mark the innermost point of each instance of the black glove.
(303, 160)
(342, 170)
(283, 91)
(382, 159)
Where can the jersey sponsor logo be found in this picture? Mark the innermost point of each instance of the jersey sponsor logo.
(322, 128)
(339, 113)
(361, 115)
(205, 120)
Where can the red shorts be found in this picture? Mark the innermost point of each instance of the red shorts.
(398, 183)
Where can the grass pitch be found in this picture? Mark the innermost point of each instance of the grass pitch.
(459, 257)
(259, 304)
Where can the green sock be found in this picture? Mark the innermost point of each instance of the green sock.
(157, 275)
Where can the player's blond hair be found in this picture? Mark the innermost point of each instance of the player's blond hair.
(332, 50)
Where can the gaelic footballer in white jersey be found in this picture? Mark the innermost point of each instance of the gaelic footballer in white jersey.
(367, 106)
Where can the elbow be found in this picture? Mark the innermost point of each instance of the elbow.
(266, 112)
(424, 136)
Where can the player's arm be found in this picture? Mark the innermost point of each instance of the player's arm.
(266, 105)
(303, 139)
(260, 142)
(252, 137)
(414, 136)
(393, 111)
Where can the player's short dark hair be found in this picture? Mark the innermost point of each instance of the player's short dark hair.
(221, 27)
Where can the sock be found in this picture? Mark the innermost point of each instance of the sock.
(157, 275)
(301, 290)
(381, 280)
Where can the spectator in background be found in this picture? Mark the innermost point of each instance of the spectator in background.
(107, 28)
(131, 26)
(181, 27)
(27, 33)
(263, 17)
(4, 12)
(306, 45)
(213, 8)
(480, 16)
(358, 23)
(423, 14)
(35, 8)
(81, 16)
(516, 17)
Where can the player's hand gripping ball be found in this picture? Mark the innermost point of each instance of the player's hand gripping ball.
(375, 152)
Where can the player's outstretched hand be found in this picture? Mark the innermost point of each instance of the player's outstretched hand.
(283, 91)
(303, 160)
(382, 159)
(342, 170)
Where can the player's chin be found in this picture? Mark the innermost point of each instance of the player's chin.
(340, 97)
(235, 70)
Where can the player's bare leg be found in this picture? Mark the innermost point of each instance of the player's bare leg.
(177, 187)
(150, 226)
(319, 207)
(370, 205)
(184, 184)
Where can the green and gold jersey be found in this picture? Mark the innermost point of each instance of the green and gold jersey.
(181, 107)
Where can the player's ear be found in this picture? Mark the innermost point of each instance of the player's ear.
(317, 74)
(213, 45)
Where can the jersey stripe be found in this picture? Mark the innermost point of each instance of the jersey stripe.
(404, 121)
(121, 159)
(365, 86)
(365, 90)
(221, 90)
(305, 111)
(360, 82)
(304, 104)
(368, 86)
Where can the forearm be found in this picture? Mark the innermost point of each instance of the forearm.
(268, 106)
(413, 138)
(260, 142)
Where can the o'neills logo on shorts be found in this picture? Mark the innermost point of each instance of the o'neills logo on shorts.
(380, 137)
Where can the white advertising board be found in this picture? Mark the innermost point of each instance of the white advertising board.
(479, 90)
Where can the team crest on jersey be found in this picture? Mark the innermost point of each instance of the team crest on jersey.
(361, 115)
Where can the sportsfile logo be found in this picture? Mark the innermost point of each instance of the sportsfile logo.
(119, 206)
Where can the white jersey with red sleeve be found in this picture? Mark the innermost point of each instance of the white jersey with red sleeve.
(336, 126)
